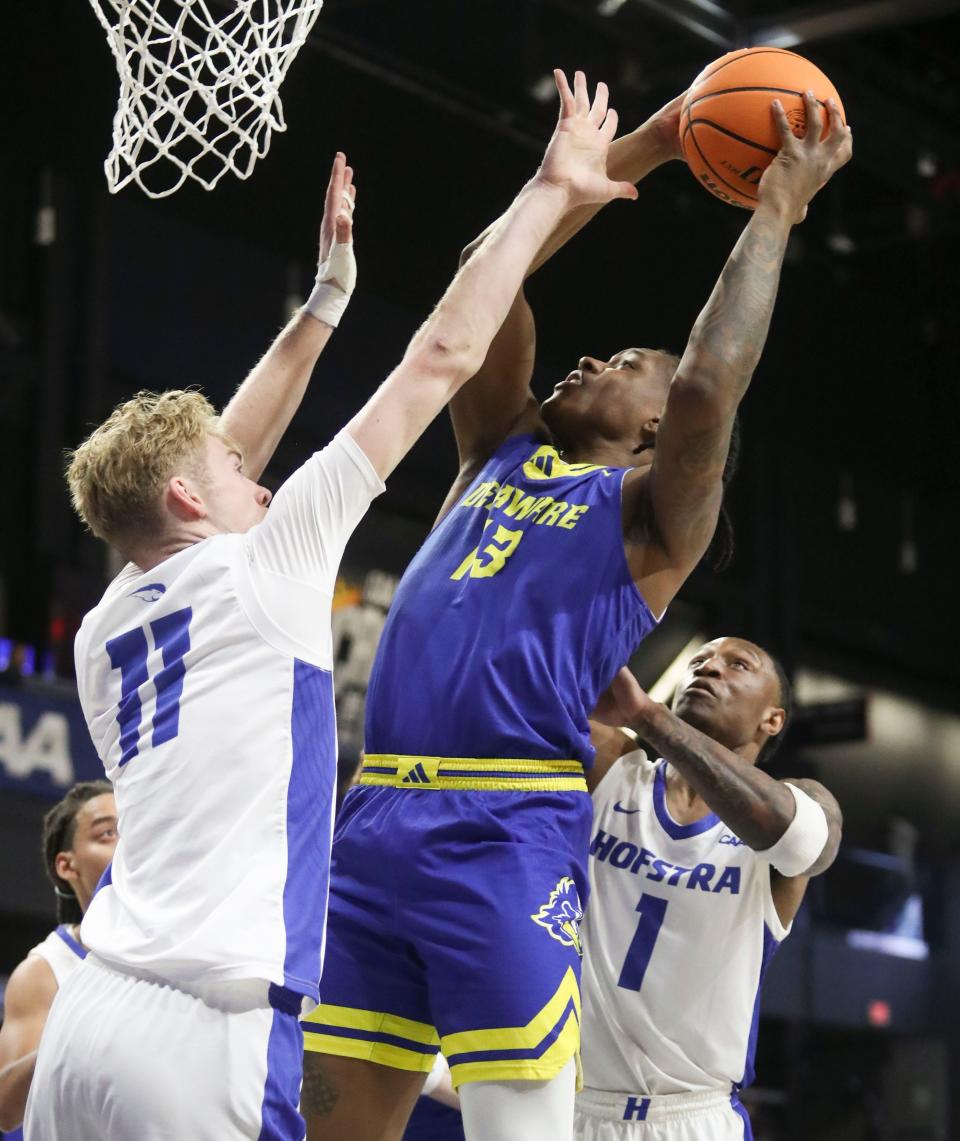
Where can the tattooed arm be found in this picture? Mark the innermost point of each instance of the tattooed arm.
(757, 808)
(683, 488)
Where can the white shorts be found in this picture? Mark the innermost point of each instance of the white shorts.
(127, 1059)
(711, 1116)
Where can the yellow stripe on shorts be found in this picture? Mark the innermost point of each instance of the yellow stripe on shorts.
(493, 1055)
(396, 770)
(372, 1036)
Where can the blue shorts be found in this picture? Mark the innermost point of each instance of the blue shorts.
(453, 924)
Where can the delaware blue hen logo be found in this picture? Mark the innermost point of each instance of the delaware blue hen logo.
(561, 914)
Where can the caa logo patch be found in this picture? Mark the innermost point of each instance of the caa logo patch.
(561, 914)
(149, 593)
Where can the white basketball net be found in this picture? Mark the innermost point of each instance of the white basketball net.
(199, 86)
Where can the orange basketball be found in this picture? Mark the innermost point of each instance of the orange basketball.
(727, 130)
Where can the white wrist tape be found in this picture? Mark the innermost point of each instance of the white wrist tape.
(803, 842)
(336, 277)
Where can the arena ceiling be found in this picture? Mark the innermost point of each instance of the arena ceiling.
(443, 108)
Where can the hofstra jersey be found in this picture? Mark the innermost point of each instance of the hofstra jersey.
(679, 932)
(207, 687)
(61, 952)
(512, 618)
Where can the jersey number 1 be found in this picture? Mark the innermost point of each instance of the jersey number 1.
(128, 654)
(652, 910)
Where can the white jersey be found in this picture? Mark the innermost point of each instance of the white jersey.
(678, 933)
(61, 952)
(207, 687)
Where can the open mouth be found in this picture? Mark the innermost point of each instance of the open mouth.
(700, 687)
(574, 380)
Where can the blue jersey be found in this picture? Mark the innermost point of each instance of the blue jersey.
(512, 618)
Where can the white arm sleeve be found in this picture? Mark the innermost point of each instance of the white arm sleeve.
(292, 557)
(803, 842)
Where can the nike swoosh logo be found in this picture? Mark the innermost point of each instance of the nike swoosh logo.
(618, 807)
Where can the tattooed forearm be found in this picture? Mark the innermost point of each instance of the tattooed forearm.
(730, 333)
(752, 804)
(319, 1093)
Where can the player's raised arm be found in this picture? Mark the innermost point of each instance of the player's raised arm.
(498, 401)
(685, 481)
(611, 743)
(452, 344)
(264, 405)
(800, 835)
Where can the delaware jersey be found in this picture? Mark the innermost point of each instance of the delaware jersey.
(207, 688)
(61, 952)
(679, 932)
(512, 618)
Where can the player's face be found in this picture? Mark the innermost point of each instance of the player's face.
(94, 839)
(233, 502)
(730, 692)
(611, 399)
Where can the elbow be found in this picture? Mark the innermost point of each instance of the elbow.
(452, 359)
(701, 389)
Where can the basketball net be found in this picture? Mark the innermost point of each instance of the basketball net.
(199, 89)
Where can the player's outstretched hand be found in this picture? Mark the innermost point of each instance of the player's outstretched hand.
(576, 157)
(336, 265)
(802, 166)
(338, 204)
(624, 703)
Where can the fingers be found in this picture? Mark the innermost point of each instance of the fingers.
(567, 106)
(626, 190)
(335, 185)
(834, 119)
(781, 122)
(840, 133)
(599, 108)
(344, 224)
(577, 102)
(626, 691)
(609, 128)
(581, 95)
(813, 120)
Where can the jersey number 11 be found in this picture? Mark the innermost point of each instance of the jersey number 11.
(128, 654)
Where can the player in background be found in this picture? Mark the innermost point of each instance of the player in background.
(698, 864)
(79, 836)
(549, 564)
(205, 675)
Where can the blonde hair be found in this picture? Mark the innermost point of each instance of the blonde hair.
(117, 475)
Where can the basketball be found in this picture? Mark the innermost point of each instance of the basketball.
(727, 131)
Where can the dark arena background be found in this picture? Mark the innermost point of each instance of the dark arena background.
(845, 506)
